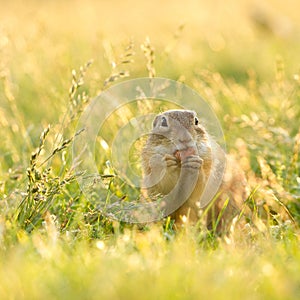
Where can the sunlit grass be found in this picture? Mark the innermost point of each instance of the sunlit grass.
(55, 56)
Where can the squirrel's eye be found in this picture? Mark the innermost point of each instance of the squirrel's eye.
(196, 121)
(164, 122)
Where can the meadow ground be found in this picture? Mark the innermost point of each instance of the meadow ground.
(55, 56)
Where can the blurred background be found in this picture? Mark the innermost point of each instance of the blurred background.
(42, 41)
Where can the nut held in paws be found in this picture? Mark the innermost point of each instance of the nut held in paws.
(182, 154)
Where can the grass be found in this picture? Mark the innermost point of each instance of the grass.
(241, 57)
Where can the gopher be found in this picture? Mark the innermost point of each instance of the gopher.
(183, 164)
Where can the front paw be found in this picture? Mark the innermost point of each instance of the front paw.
(171, 161)
(192, 162)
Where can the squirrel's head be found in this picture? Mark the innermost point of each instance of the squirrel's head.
(179, 129)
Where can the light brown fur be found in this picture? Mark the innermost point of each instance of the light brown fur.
(178, 159)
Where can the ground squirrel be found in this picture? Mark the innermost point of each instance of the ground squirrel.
(182, 161)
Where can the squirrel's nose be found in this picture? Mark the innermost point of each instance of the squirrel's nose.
(183, 137)
(184, 140)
